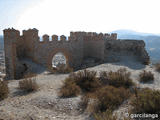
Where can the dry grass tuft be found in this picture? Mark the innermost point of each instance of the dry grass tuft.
(157, 66)
(105, 116)
(4, 90)
(29, 84)
(146, 101)
(69, 89)
(87, 80)
(83, 104)
(120, 78)
(146, 76)
(109, 97)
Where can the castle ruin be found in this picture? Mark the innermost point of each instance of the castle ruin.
(77, 47)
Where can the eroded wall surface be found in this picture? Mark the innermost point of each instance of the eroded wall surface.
(115, 49)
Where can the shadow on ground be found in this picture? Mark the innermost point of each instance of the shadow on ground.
(130, 62)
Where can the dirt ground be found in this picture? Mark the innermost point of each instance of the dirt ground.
(45, 103)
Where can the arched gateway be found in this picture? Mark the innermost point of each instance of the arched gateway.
(67, 55)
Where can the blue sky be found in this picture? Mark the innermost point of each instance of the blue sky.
(11, 10)
(62, 16)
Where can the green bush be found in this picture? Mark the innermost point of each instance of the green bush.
(120, 78)
(146, 101)
(4, 91)
(28, 84)
(109, 97)
(146, 76)
(69, 89)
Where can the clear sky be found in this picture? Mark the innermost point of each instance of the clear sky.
(62, 16)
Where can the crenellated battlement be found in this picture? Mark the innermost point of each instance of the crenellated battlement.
(95, 36)
(11, 30)
(32, 34)
(54, 38)
(45, 38)
(63, 38)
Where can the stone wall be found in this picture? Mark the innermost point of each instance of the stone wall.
(113, 50)
(77, 47)
(71, 48)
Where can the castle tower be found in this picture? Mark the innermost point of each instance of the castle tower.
(30, 40)
(11, 36)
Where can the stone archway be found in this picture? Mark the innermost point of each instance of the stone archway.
(65, 52)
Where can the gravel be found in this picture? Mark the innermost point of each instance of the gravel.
(45, 103)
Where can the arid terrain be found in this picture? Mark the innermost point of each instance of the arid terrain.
(45, 104)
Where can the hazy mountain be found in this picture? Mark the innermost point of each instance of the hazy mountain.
(1, 42)
(152, 41)
(132, 33)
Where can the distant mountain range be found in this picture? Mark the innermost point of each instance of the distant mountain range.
(152, 41)
(124, 32)
(1, 42)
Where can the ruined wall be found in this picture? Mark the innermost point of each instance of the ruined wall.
(72, 48)
(118, 48)
(77, 47)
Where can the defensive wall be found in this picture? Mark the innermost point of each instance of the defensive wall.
(77, 47)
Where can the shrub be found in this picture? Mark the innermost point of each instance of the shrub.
(86, 80)
(4, 91)
(157, 67)
(146, 101)
(69, 89)
(105, 116)
(146, 76)
(121, 78)
(28, 84)
(110, 97)
(83, 104)
(83, 80)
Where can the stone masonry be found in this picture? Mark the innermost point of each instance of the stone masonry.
(77, 47)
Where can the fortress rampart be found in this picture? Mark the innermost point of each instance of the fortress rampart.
(77, 47)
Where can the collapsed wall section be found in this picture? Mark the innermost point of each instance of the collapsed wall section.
(115, 49)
